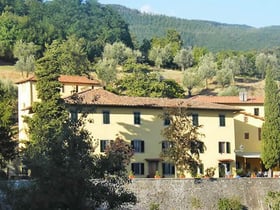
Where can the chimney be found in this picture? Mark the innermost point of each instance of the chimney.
(243, 95)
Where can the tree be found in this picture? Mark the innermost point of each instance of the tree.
(191, 79)
(230, 66)
(10, 31)
(184, 59)
(112, 166)
(70, 55)
(207, 67)
(185, 141)
(223, 77)
(106, 71)
(156, 55)
(265, 61)
(8, 143)
(270, 152)
(145, 84)
(25, 53)
(198, 53)
(247, 62)
(164, 49)
(120, 53)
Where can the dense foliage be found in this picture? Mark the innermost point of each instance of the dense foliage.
(42, 22)
(211, 35)
(185, 144)
(8, 143)
(270, 153)
(144, 84)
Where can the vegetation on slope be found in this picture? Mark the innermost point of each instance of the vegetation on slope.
(212, 35)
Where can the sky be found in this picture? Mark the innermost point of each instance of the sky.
(256, 13)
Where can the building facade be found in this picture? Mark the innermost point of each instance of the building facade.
(225, 124)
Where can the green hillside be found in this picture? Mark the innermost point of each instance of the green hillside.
(212, 35)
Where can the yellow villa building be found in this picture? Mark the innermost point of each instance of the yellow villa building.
(231, 125)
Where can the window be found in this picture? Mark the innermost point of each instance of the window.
(137, 118)
(224, 147)
(62, 89)
(137, 168)
(166, 120)
(138, 145)
(77, 88)
(103, 145)
(246, 135)
(222, 119)
(256, 111)
(221, 147)
(228, 147)
(168, 169)
(106, 117)
(260, 133)
(195, 119)
(165, 145)
(73, 116)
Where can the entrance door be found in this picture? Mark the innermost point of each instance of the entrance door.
(153, 166)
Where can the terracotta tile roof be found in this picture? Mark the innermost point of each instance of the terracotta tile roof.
(253, 116)
(103, 97)
(77, 79)
(228, 99)
(31, 79)
(66, 79)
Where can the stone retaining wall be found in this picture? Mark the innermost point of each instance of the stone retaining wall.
(184, 194)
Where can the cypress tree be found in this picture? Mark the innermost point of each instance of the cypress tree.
(270, 153)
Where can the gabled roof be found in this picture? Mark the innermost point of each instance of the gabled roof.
(103, 97)
(66, 79)
(228, 99)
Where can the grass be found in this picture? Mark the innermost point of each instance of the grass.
(8, 72)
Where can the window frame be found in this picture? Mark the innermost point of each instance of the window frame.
(246, 135)
(106, 117)
(138, 145)
(256, 111)
(221, 146)
(228, 148)
(74, 116)
(222, 120)
(195, 120)
(165, 144)
(168, 169)
(103, 144)
(138, 168)
(137, 118)
(224, 147)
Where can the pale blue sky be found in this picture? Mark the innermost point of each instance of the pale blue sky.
(257, 13)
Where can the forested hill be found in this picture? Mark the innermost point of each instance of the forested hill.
(212, 35)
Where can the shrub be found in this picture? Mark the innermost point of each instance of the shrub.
(210, 172)
(230, 91)
(229, 204)
(272, 199)
(154, 206)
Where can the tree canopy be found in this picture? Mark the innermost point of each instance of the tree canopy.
(270, 153)
(144, 84)
(8, 142)
(185, 141)
(42, 22)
